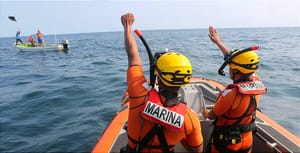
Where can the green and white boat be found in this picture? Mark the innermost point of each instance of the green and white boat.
(63, 46)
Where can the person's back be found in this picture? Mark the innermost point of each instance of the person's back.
(136, 124)
(157, 118)
(235, 108)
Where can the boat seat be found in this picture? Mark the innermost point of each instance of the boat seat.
(193, 95)
(210, 92)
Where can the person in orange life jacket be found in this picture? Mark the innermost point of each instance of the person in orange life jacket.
(158, 120)
(234, 110)
(40, 38)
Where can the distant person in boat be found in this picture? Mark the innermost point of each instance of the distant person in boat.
(40, 38)
(31, 41)
(18, 37)
(158, 119)
(234, 110)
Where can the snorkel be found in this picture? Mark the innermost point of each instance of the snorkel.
(229, 59)
(150, 56)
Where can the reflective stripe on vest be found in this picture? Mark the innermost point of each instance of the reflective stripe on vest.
(250, 87)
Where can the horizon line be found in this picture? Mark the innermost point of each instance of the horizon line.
(161, 29)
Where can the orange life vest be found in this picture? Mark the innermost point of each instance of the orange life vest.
(249, 87)
(171, 117)
(230, 134)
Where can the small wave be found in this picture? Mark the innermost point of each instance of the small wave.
(34, 94)
(297, 69)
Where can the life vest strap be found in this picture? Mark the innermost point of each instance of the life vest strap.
(132, 139)
(246, 113)
(242, 128)
(156, 130)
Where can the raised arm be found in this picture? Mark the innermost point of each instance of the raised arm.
(130, 43)
(214, 37)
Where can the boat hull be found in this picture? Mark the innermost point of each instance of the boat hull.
(201, 93)
(47, 47)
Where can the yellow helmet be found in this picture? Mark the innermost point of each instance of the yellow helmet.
(173, 69)
(246, 62)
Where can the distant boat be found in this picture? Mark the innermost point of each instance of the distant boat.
(63, 46)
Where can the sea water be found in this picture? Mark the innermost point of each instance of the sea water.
(62, 101)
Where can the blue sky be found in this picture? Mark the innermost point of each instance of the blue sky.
(82, 16)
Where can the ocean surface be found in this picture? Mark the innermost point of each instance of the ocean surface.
(62, 101)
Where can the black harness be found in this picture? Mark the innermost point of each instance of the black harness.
(159, 131)
(144, 142)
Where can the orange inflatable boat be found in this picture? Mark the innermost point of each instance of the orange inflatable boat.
(201, 93)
